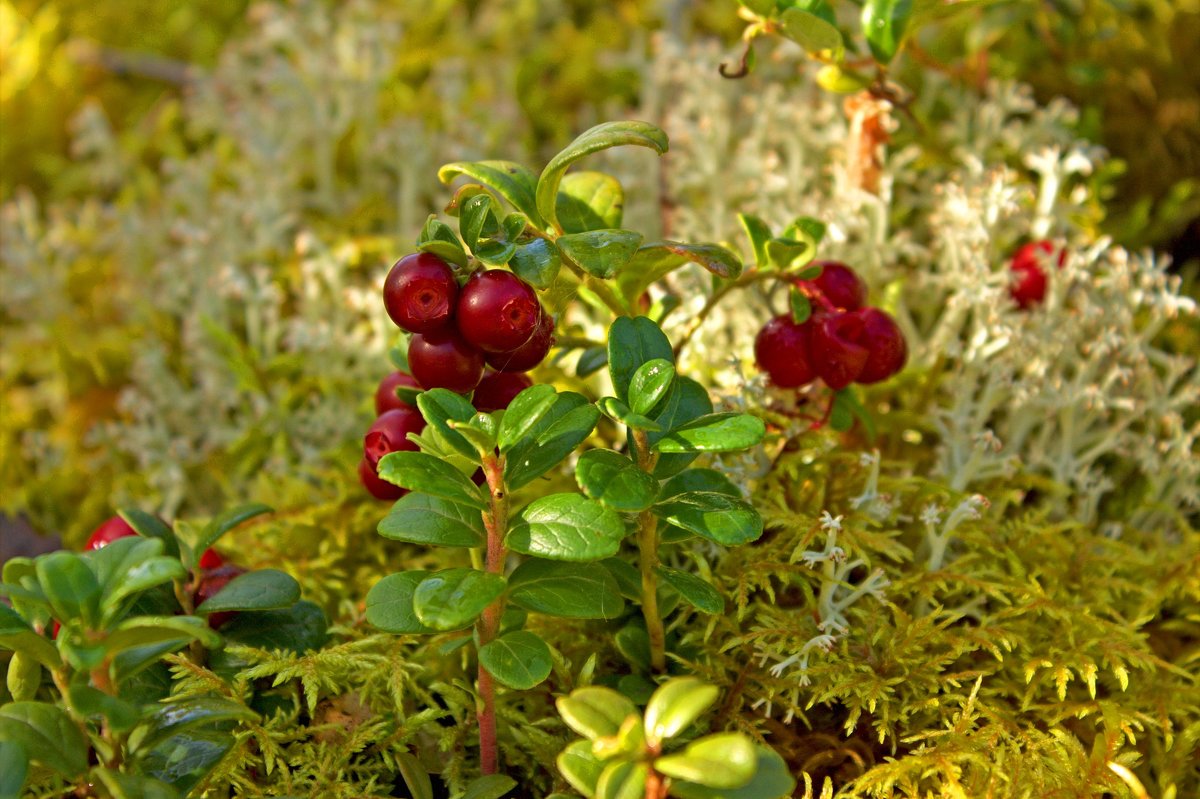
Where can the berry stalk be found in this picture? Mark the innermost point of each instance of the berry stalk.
(648, 561)
(495, 521)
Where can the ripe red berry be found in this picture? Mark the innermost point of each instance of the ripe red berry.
(841, 285)
(837, 348)
(497, 389)
(529, 354)
(55, 628)
(211, 585)
(497, 311)
(385, 395)
(376, 485)
(887, 351)
(211, 559)
(444, 359)
(781, 350)
(420, 293)
(1028, 287)
(390, 432)
(109, 531)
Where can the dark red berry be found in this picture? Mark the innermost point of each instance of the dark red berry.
(497, 311)
(390, 432)
(781, 350)
(444, 359)
(497, 389)
(479, 478)
(211, 585)
(211, 559)
(528, 355)
(385, 395)
(837, 348)
(841, 285)
(887, 351)
(420, 293)
(109, 531)
(1028, 286)
(376, 485)
(55, 628)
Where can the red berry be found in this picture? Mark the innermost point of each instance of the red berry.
(55, 628)
(781, 350)
(385, 395)
(390, 432)
(1028, 287)
(497, 311)
(211, 559)
(841, 285)
(109, 531)
(886, 347)
(837, 348)
(376, 485)
(529, 354)
(497, 389)
(211, 585)
(420, 292)
(443, 359)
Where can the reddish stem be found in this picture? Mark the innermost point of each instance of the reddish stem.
(495, 522)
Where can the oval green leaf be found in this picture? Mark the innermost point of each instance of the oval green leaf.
(600, 253)
(613, 479)
(566, 527)
(595, 711)
(390, 604)
(580, 767)
(631, 343)
(440, 407)
(715, 432)
(424, 519)
(266, 589)
(884, 23)
(675, 705)
(649, 384)
(524, 412)
(537, 262)
(518, 659)
(512, 181)
(695, 591)
(569, 590)
(47, 735)
(453, 598)
(589, 201)
(726, 760)
(718, 517)
(420, 471)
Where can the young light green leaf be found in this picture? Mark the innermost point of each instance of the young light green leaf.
(537, 262)
(566, 527)
(694, 590)
(649, 384)
(439, 407)
(569, 590)
(772, 780)
(726, 760)
(24, 677)
(390, 604)
(512, 181)
(523, 414)
(884, 23)
(618, 411)
(759, 233)
(715, 432)
(812, 31)
(420, 471)
(600, 253)
(564, 427)
(631, 343)
(424, 519)
(601, 137)
(676, 705)
(613, 479)
(595, 712)
(589, 201)
(806, 228)
(453, 598)
(788, 254)
(47, 735)
(518, 659)
(71, 587)
(726, 520)
(622, 779)
(265, 589)
(580, 767)
(801, 307)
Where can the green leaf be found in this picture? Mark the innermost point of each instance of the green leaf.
(601, 137)
(839, 80)
(450, 253)
(184, 759)
(801, 307)
(14, 765)
(17, 635)
(94, 704)
(591, 360)
(390, 604)
(439, 407)
(698, 593)
(686, 401)
(565, 426)
(24, 677)
(422, 519)
(715, 432)
(494, 252)
(120, 785)
(143, 630)
(884, 23)
(518, 659)
(631, 343)
(492, 786)
(477, 220)
(620, 412)
(416, 778)
(566, 527)
(772, 780)
(537, 262)
(789, 254)
(727, 760)
(806, 228)
(512, 181)
(613, 479)
(759, 233)
(676, 705)
(713, 257)
(580, 767)
(453, 598)
(47, 735)
(600, 253)
(221, 525)
(595, 711)
(182, 715)
(148, 525)
(726, 520)
(266, 589)
(299, 629)
(811, 29)
(589, 201)
(420, 471)
(142, 576)
(523, 414)
(71, 587)
(699, 480)
(622, 780)
(569, 590)
(649, 384)
(438, 238)
(479, 431)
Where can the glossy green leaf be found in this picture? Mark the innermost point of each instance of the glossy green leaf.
(298, 629)
(148, 525)
(121, 785)
(649, 384)
(695, 591)
(222, 524)
(676, 705)
(477, 220)
(713, 257)
(591, 360)
(47, 735)
(420, 471)
(601, 137)
(450, 253)
(495, 252)
(491, 786)
(790, 254)
(537, 262)
(600, 253)
(564, 427)
(580, 767)
(453, 598)
(569, 590)
(759, 233)
(800, 306)
(595, 712)
(390, 604)
(523, 414)
(616, 481)
(144, 630)
(772, 780)
(518, 659)
(435, 229)
(70, 585)
(181, 715)
(512, 181)
(699, 480)
(884, 23)
(14, 766)
(724, 519)
(686, 401)
(620, 412)
(439, 407)
(566, 527)
(727, 760)
(186, 758)
(93, 703)
(716, 432)
(589, 201)
(811, 29)
(479, 431)
(622, 779)
(631, 343)
(265, 589)
(423, 519)
(17, 635)
(142, 576)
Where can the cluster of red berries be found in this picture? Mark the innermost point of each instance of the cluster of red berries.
(494, 320)
(1028, 287)
(843, 341)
